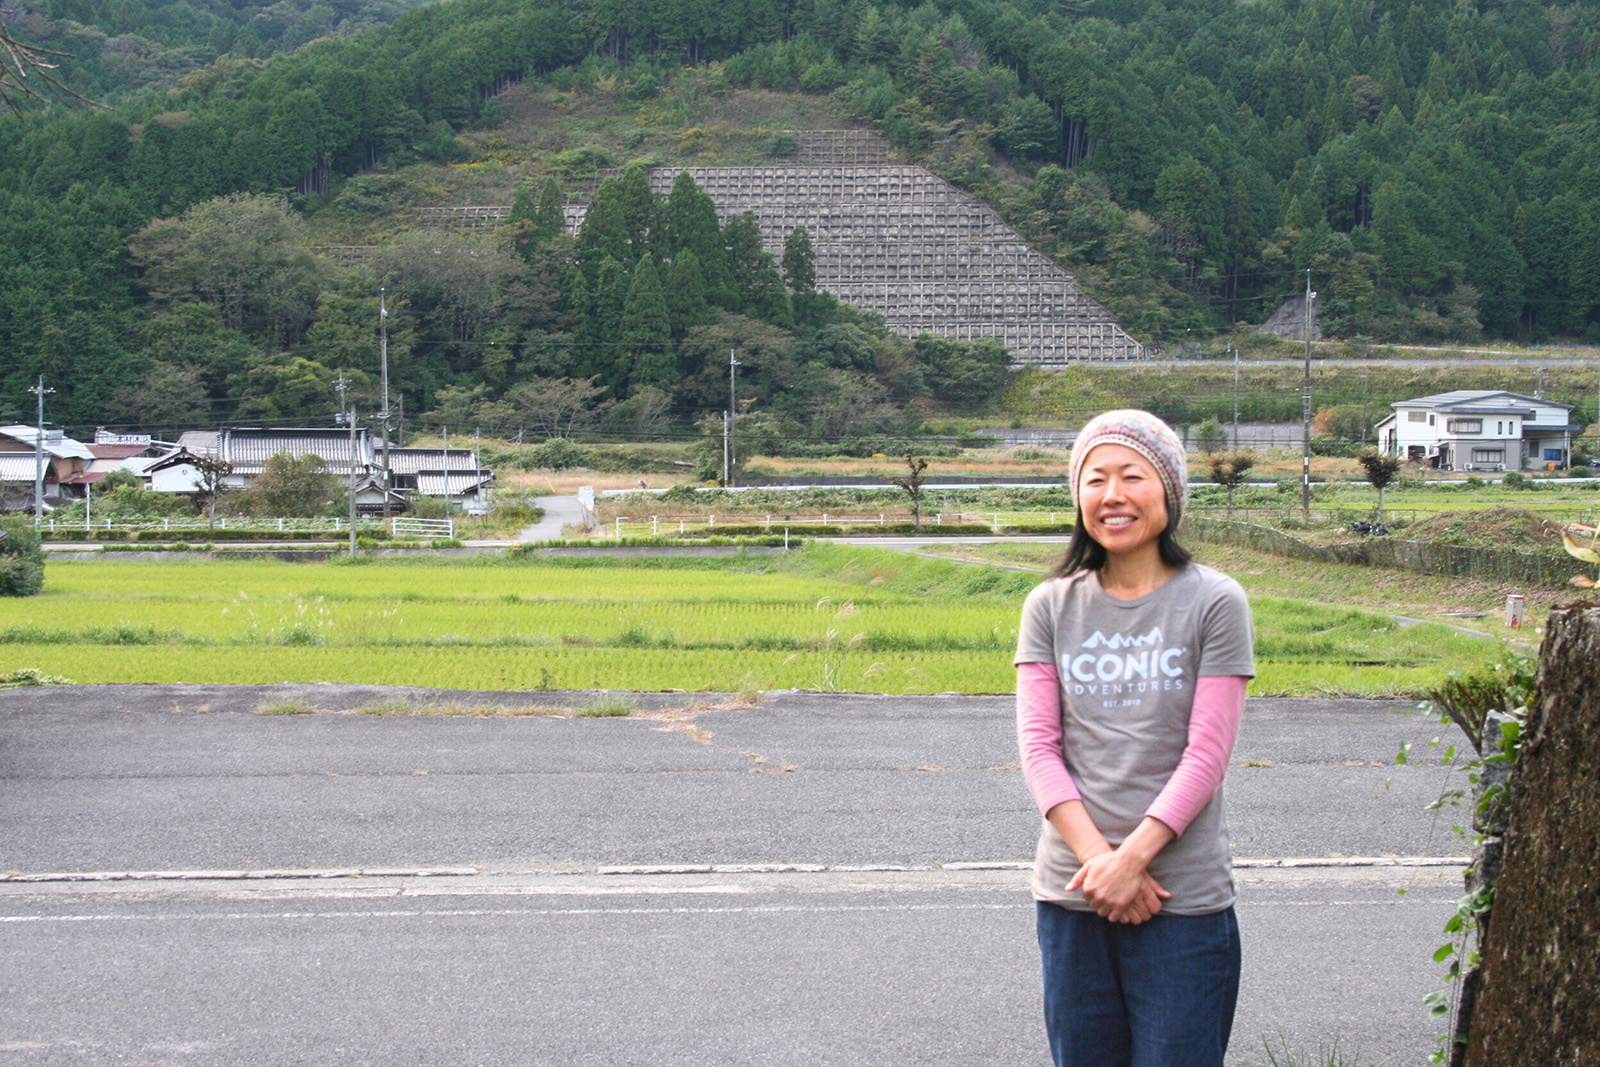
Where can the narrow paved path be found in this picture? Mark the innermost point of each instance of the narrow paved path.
(559, 511)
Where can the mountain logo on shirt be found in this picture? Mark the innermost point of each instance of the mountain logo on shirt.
(1100, 640)
(1125, 665)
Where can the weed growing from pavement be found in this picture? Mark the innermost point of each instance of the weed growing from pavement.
(608, 707)
(1281, 1054)
(287, 706)
(409, 707)
(30, 676)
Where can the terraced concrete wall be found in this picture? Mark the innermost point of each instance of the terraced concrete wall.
(899, 240)
(904, 242)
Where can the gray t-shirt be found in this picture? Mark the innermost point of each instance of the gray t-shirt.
(1128, 669)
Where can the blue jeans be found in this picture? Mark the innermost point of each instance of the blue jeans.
(1157, 994)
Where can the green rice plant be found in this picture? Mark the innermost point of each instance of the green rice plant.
(716, 670)
(829, 617)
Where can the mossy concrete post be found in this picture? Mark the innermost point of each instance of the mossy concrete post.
(1538, 1000)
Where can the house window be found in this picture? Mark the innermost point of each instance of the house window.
(1499, 430)
(1488, 455)
(1415, 416)
(1464, 426)
(1430, 420)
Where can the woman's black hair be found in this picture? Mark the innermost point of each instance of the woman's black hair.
(1085, 553)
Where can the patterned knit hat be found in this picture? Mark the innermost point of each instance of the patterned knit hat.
(1146, 435)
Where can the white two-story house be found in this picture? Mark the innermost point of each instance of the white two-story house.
(1479, 430)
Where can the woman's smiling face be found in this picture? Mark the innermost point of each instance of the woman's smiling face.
(1121, 499)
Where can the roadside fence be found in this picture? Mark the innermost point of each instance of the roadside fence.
(429, 528)
(334, 525)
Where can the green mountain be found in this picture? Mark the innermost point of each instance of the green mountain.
(1431, 164)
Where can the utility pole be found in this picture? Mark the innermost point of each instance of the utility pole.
(724, 448)
(1366, 394)
(733, 419)
(38, 456)
(342, 387)
(1235, 352)
(383, 372)
(352, 480)
(1305, 462)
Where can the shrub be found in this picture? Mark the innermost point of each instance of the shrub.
(694, 140)
(782, 144)
(555, 454)
(581, 162)
(1211, 436)
(21, 561)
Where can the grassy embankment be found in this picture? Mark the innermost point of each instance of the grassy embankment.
(828, 617)
(1270, 579)
(1334, 504)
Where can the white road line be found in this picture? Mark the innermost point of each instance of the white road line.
(1253, 863)
(480, 913)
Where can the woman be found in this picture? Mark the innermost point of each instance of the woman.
(1132, 664)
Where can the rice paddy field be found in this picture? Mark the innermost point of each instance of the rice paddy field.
(829, 617)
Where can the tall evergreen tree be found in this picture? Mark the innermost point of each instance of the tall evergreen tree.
(603, 234)
(636, 207)
(757, 287)
(689, 224)
(684, 288)
(645, 335)
(800, 273)
(550, 218)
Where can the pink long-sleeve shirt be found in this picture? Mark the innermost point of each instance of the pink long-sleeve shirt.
(1213, 727)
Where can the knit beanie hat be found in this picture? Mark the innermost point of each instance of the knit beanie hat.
(1146, 435)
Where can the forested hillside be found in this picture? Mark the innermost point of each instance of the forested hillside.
(1436, 166)
(114, 46)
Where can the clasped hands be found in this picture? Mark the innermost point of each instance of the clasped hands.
(1118, 887)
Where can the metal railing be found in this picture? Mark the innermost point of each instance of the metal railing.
(430, 528)
(265, 525)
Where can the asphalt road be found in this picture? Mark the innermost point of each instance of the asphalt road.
(821, 879)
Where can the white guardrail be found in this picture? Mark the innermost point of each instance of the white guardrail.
(431, 528)
(401, 526)
(335, 525)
